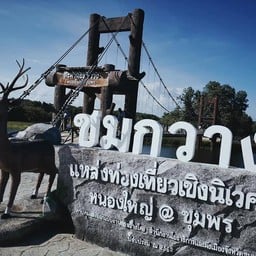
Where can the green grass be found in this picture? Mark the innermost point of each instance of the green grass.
(17, 126)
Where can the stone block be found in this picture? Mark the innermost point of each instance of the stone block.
(141, 205)
(41, 131)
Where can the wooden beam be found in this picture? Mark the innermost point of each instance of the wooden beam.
(92, 83)
(119, 24)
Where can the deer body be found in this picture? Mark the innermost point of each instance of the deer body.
(30, 156)
(21, 156)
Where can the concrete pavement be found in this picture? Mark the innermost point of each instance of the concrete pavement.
(27, 223)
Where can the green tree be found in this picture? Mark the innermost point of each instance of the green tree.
(190, 102)
(141, 116)
(231, 107)
(32, 111)
(171, 117)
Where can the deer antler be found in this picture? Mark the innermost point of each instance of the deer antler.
(3, 88)
(10, 86)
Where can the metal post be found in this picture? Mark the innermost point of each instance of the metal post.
(200, 114)
(215, 102)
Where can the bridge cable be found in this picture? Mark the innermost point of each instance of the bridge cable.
(74, 94)
(154, 98)
(51, 68)
(115, 39)
(160, 78)
(126, 59)
(154, 66)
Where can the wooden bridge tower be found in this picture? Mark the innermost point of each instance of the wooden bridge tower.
(108, 81)
(134, 23)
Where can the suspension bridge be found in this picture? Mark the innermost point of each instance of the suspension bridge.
(101, 82)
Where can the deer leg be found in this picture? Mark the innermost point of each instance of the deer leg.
(14, 188)
(39, 181)
(3, 182)
(50, 182)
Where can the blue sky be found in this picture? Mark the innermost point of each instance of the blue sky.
(190, 42)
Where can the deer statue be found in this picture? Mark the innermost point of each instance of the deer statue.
(21, 156)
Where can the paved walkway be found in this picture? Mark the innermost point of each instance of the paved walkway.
(60, 245)
(27, 214)
(27, 185)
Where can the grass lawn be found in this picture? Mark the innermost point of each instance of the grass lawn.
(17, 126)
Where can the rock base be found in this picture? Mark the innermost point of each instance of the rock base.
(155, 206)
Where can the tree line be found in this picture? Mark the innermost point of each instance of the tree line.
(36, 111)
(230, 110)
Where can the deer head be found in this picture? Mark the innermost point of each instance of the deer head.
(5, 102)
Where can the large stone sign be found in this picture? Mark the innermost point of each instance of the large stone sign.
(144, 205)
